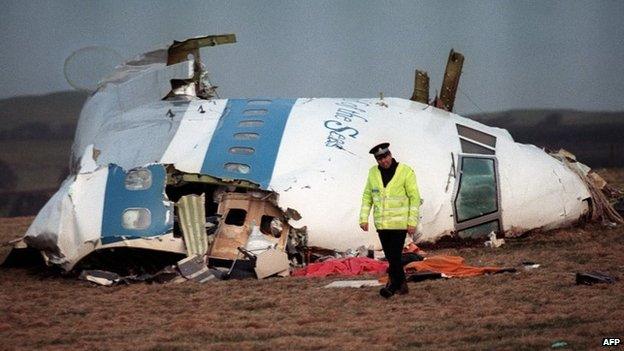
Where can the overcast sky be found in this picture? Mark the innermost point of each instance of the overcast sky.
(519, 54)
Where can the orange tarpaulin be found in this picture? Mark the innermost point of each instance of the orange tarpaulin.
(450, 266)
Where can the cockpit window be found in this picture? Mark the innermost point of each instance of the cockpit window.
(469, 147)
(477, 194)
(476, 135)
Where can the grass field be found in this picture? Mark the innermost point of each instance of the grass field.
(527, 310)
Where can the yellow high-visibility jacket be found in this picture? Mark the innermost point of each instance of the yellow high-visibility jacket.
(394, 206)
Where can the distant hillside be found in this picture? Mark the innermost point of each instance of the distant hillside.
(37, 133)
(596, 138)
(45, 116)
(35, 140)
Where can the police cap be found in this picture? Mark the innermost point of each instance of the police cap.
(380, 150)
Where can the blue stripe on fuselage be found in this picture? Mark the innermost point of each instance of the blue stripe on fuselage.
(118, 199)
(273, 113)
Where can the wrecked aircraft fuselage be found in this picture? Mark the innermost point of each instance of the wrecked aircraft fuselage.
(147, 139)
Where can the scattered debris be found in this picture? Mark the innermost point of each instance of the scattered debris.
(528, 265)
(169, 274)
(591, 278)
(494, 242)
(559, 344)
(601, 208)
(353, 283)
(316, 254)
(194, 268)
(249, 222)
(271, 262)
(100, 277)
(597, 180)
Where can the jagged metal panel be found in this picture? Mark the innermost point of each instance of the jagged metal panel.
(192, 217)
(451, 79)
(421, 87)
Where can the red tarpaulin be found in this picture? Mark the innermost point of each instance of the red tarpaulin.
(342, 266)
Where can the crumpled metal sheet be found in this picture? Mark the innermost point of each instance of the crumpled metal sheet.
(192, 215)
(69, 225)
(140, 63)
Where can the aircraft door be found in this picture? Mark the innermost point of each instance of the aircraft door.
(476, 200)
(476, 204)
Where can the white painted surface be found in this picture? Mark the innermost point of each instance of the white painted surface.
(188, 146)
(325, 184)
(69, 225)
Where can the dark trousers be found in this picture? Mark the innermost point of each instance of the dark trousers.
(392, 243)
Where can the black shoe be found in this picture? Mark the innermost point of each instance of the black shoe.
(403, 290)
(386, 292)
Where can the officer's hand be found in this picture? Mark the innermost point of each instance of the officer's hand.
(411, 230)
(364, 226)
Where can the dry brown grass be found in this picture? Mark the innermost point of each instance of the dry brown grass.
(526, 310)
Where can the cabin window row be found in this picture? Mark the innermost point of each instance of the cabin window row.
(254, 110)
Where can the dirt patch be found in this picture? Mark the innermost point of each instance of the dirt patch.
(524, 310)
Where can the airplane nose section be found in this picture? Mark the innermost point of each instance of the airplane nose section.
(538, 190)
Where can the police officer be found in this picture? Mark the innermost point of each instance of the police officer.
(392, 191)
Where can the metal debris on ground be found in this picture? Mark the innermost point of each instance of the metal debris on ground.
(559, 344)
(194, 268)
(100, 277)
(528, 265)
(353, 283)
(169, 274)
(272, 262)
(601, 208)
(494, 242)
(591, 278)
